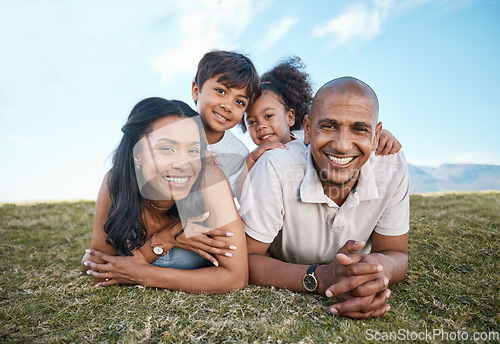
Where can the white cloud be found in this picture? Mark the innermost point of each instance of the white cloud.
(276, 32)
(201, 26)
(358, 23)
(19, 141)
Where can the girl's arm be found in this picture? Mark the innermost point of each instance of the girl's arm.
(387, 143)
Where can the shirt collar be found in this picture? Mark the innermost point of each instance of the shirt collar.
(311, 189)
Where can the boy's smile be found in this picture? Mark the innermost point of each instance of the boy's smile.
(221, 107)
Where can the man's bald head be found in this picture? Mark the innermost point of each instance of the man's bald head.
(346, 86)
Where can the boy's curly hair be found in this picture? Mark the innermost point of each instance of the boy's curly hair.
(292, 85)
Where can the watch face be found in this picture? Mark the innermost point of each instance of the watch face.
(310, 283)
(158, 250)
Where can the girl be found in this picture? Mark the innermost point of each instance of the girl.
(156, 205)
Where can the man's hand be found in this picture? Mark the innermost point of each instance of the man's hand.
(358, 282)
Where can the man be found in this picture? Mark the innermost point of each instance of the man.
(328, 203)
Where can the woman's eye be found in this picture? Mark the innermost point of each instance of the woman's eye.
(166, 149)
(194, 151)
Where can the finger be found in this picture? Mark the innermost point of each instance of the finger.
(371, 287)
(101, 255)
(352, 258)
(379, 301)
(207, 257)
(348, 284)
(97, 266)
(219, 232)
(212, 245)
(381, 145)
(99, 274)
(361, 315)
(351, 246)
(387, 148)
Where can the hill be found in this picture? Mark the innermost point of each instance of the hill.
(454, 177)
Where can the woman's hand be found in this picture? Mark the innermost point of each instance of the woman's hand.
(199, 239)
(116, 269)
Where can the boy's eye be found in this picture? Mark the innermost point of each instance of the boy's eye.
(220, 90)
(240, 102)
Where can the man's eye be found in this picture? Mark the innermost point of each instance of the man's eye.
(327, 126)
(360, 129)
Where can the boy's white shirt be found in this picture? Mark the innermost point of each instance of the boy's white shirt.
(230, 155)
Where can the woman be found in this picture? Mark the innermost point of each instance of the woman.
(158, 203)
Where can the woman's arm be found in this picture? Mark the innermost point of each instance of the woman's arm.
(98, 239)
(232, 272)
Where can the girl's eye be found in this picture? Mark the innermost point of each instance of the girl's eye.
(269, 116)
(250, 123)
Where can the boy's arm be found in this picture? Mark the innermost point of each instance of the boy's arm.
(387, 143)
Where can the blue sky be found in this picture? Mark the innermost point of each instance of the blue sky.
(71, 71)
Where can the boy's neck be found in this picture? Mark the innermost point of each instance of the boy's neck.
(213, 136)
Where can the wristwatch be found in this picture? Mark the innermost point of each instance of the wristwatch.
(310, 282)
(158, 249)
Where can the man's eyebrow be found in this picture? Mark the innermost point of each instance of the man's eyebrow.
(327, 120)
(362, 124)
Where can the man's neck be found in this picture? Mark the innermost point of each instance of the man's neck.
(339, 193)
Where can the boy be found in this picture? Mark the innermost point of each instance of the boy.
(226, 83)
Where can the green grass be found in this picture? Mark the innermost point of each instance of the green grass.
(452, 284)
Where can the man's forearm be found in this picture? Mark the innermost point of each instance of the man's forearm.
(269, 272)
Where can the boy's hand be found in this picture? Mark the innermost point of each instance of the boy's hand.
(257, 152)
(387, 144)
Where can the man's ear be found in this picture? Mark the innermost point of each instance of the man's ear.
(307, 129)
(378, 130)
(195, 91)
(291, 117)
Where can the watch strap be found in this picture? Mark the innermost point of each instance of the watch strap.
(311, 269)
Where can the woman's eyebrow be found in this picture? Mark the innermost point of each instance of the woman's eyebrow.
(177, 142)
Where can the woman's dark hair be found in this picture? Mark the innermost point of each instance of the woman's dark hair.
(292, 85)
(236, 71)
(124, 225)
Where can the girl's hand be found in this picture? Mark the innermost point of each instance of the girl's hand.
(257, 152)
(116, 269)
(387, 144)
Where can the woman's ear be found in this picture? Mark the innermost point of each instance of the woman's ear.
(290, 117)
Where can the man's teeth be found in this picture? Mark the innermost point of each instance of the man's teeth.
(177, 180)
(340, 161)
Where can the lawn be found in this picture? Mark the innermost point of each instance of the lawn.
(451, 290)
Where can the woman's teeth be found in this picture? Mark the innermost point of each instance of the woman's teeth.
(176, 180)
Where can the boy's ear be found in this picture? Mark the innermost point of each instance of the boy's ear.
(291, 117)
(307, 128)
(195, 91)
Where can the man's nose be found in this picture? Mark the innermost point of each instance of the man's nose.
(342, 142)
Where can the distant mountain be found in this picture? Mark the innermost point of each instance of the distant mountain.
(454, 177)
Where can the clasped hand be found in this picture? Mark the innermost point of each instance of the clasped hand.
(359, 283)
